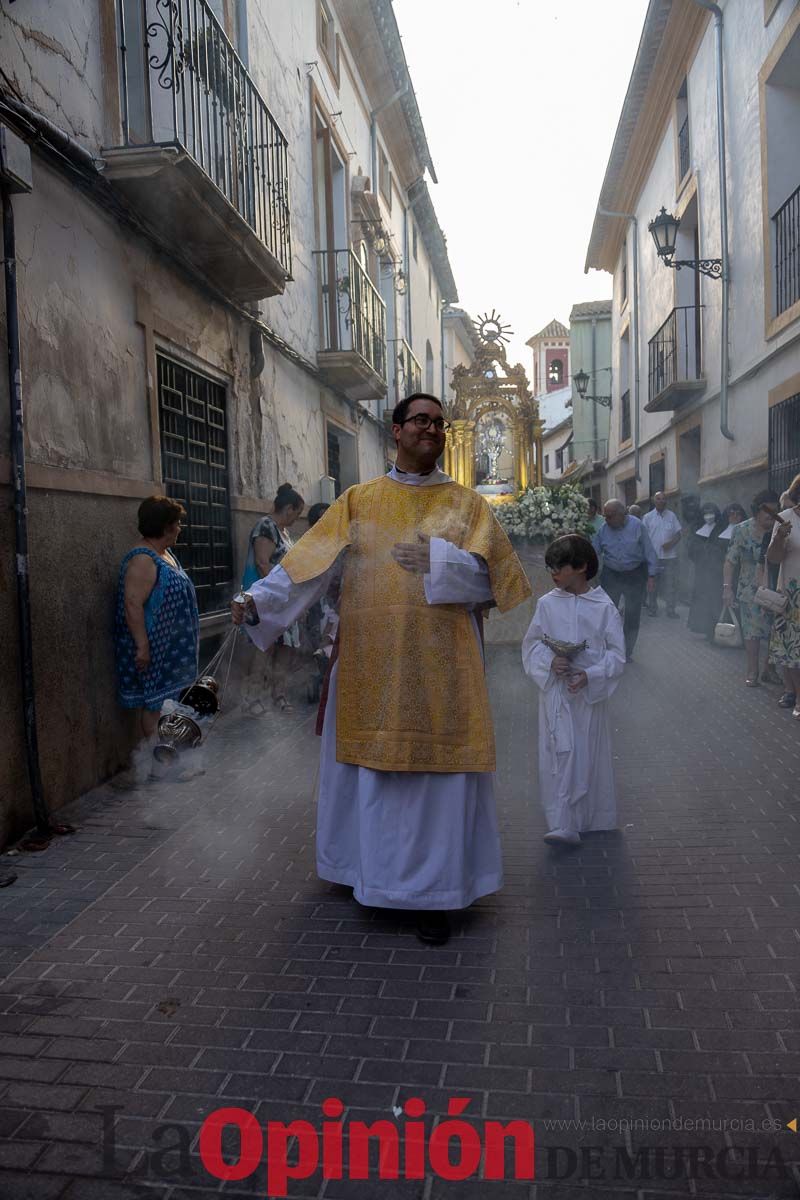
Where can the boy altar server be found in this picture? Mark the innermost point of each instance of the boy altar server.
(577, 677)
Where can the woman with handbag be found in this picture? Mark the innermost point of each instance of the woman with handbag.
(707, 552)
(748, 547)
(784, 548)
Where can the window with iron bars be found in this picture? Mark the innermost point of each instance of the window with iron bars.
(625, 417)
(194, 458)
(784, 443)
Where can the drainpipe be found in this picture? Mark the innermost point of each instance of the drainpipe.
(443, 307)
(594, 387)
(723, 221)
(40, 811)
(606, 212)
(407, 268)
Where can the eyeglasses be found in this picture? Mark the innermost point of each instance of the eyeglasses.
(424, 422)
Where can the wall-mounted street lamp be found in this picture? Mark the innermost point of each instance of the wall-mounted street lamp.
(581, 381)
(664, 229)
(376, 235)
(389, 267)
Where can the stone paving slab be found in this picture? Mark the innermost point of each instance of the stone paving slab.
(179, 954)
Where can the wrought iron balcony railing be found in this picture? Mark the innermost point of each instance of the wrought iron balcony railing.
(184, 88)
(684, 160)
(787, 253)
(675, 356)
(353, 313)
(407, 370)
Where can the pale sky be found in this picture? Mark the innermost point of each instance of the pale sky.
(520, 101)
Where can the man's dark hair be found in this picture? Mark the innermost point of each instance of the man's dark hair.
(156, 513)
(765, 499)
(401, 410)
(572, 550)
(592, 504)
(315, 512)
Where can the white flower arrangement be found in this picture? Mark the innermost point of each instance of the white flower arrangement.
(541, 514)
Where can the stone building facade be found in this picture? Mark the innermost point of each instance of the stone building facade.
(674, 425)
(229, 269)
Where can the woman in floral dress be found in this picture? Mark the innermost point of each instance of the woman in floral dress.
(747, 551)
(784, 548)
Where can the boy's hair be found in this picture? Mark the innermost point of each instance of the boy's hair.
(315, 512)
(572, 550)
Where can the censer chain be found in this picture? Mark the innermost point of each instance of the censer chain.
(229, 640)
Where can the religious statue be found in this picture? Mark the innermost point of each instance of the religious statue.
(491, 442)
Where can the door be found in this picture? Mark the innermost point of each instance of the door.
(332, 241)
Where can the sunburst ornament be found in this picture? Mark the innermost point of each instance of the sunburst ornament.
(492, 330)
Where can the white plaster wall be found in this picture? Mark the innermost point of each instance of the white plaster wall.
(51, 54)
(554, 406)
(747, 43)
(282, 41)
(85, 372)
(425, 313)
(456, 353)
(84, 381)
(551, 442)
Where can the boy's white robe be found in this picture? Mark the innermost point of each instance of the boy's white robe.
(576, 775)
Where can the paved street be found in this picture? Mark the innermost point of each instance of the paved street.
(178, 955)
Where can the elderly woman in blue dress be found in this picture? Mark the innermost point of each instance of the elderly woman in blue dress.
(157, 628)
(748, 552)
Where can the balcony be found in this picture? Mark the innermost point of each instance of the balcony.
(353, 323)
(203, 160)
(787, 253)
(675, 360)
(407, 370)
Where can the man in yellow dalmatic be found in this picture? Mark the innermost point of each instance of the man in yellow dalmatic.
(406, 811)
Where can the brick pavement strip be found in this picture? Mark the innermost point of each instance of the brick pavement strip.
(179, 954)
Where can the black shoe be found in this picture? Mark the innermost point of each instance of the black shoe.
(787, 700)
(433, 927)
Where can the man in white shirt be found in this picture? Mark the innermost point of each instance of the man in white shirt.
(665, 532)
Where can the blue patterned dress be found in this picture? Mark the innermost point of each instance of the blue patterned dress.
(173, 630)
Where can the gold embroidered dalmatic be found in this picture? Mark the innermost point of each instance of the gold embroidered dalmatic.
(411, 694)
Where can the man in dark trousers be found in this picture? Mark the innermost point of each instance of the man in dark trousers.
(629, 563)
